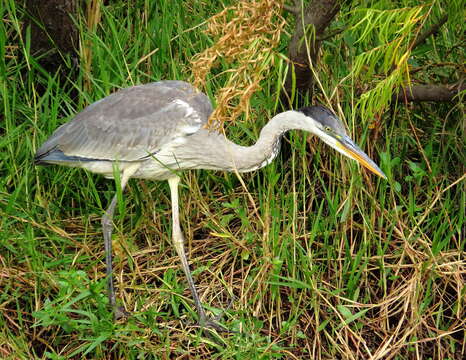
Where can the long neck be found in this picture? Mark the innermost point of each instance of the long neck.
(266, 148)
(222, 154)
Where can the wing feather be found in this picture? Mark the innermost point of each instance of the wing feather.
(132, 123)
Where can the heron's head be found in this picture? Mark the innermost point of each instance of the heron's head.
(328, 127)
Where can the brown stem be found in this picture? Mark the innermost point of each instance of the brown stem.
(331, 34)
(319, 14)
(431, 31)
(292, 9)
(438, 93)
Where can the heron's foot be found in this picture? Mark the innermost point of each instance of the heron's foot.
(206, 322)
(212, 324)
(119, 312)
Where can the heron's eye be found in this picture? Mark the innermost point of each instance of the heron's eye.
(328, 129)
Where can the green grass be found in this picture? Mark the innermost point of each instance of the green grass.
(335, 263)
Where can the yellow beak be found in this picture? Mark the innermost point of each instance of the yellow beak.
(347, 147)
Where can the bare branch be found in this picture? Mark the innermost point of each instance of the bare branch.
(431, 31)
(295, 8)
(292, 9)
(320, 14)
(437, 93)
(331, 34)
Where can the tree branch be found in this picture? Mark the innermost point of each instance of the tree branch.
(319, 14)
(431, 31)
(331, 34)
(438, 93)
(295, 8)
(292, 9)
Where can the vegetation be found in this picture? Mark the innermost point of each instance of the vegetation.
(323, 259)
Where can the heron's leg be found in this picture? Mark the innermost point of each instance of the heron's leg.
(107, 230)
(178, 242)
(107, 226)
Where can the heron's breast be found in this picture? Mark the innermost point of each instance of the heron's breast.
(153, 169)
(104, 167)
(164, 164)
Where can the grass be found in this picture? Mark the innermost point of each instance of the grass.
(325, 261)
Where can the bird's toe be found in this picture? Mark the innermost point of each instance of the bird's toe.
(119, 312)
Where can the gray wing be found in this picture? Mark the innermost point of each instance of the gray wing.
(132, 123)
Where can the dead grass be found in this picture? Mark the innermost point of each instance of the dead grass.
(245, 36)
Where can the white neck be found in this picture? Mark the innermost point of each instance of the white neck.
(267, 147)
(219, 153)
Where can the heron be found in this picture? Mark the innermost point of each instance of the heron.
(155, 130)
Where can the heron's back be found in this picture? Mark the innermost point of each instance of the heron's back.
(131, 125)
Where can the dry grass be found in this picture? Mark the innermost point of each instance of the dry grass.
(245, 36)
